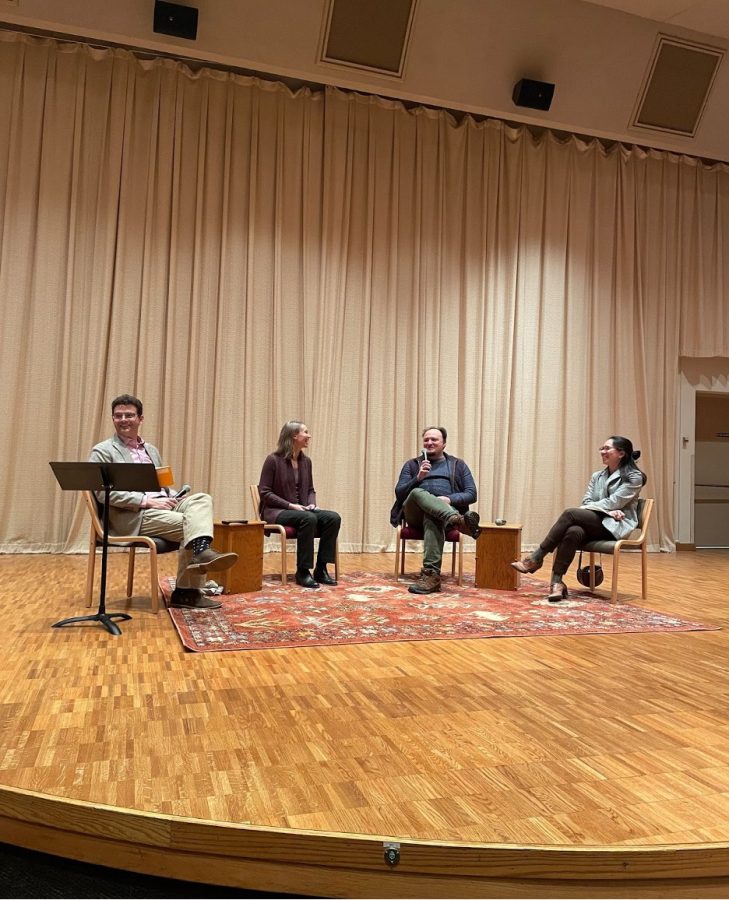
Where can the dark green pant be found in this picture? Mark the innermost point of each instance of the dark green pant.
(426, 511)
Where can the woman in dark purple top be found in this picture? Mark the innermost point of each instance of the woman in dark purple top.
(288, 498)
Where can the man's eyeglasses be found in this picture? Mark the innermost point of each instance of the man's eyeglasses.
(120, 416)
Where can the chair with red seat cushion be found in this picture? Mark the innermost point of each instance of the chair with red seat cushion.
(407, 532)
(284, 533)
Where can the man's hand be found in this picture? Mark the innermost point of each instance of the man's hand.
(445, 500)
(297, 507)
(617, 514)
(424, 469)
(161, 503)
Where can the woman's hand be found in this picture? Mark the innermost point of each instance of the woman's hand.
(617, 514)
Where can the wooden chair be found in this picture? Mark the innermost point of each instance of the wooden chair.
(614, 548)
(284, 533)
(155, 545)
(407, 532)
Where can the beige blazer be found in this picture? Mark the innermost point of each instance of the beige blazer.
(125, 515)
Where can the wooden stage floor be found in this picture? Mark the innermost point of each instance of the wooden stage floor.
(554, 766)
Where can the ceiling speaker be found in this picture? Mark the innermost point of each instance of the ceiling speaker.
(175, 19)
(533, 94)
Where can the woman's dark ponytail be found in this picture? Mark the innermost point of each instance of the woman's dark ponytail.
(627, 463)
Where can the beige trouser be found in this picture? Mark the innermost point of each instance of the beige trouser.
(192, 518)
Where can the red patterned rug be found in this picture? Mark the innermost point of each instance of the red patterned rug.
(371, 608)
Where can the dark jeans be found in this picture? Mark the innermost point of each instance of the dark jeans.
(572, 529)
(321, 523)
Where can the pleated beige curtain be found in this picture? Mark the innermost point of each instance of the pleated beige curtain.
(238, 255)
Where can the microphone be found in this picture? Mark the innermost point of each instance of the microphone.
(424, 454)
(185, 489)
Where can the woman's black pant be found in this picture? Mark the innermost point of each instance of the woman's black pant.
(321, 523)
(574, 528)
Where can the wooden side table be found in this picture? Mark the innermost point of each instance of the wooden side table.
(245, 539)
(497, 547)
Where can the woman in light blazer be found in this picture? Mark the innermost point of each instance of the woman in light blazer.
(609, 511)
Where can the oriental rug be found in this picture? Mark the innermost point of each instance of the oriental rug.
(368, 607)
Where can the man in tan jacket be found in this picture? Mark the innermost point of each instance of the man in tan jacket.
(187, 522)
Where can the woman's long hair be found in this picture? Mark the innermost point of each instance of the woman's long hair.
(285, 445)
(627, 463)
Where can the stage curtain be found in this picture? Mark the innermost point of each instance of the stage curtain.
(237, 255)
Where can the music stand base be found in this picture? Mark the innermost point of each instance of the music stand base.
(104, 618)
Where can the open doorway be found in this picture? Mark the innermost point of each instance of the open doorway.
(702, 498)
(711, 471)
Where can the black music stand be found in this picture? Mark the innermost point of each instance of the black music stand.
(106, 477)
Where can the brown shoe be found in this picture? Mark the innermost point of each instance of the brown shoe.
(428, 582)
(191, 598)
(212, 561)
(467, 524)
(557, 592)
(527, 565)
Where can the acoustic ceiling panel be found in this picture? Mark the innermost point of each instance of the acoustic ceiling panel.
(677, 87)
(368, 34)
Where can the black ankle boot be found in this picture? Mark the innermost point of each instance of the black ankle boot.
(304, 579)
(323, 577)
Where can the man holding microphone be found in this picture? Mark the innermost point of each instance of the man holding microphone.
(434, 492)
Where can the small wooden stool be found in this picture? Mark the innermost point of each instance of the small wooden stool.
(245, 539)
(497, 547)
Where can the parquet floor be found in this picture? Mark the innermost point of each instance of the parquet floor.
(561, 741)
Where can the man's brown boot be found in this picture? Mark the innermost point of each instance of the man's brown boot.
(191, 598)
(428, 582)
(211, 561)
(467, 524)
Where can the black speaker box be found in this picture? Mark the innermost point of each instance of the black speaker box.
(534, 94)
(174, 19)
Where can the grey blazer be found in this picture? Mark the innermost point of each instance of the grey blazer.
(125, 516)
(606, 492)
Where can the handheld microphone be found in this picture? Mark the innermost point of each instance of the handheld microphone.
(424, 454)
(185, 489)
